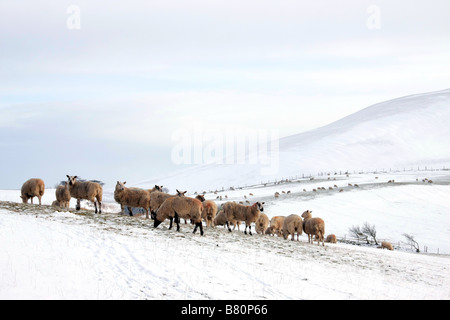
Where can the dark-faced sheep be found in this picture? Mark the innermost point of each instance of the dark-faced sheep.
(32, 188)
(313, 227)
(238, 212)
(209, 210)
(87, 190)
(180, 207)
(157, 198)
(62, 194)
(292, 225)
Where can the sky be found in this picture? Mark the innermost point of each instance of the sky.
(100, 89)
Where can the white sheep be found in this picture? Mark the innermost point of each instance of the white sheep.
(249, 214)
(62, 194)
(87, 190)
(276, 226)
(209, 210)
(221, 220)
(132, 197)
(32, 188)
(262, 223)
(331, 238)
(386, 245)
(313, 227)
(130, 209)
(292, 225)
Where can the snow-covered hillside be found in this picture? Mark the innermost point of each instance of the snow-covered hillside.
(387, 165)
(47, 254)
(407, 132)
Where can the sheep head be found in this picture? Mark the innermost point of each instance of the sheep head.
(71, 179)
(260, 206)
(120, 186)
(200, 197)
(306, 214)
(181, 193)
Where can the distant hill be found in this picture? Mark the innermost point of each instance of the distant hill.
(402, 133)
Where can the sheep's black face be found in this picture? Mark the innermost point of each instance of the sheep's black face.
(71, 179)
(156, 223)
(200, 197)
(260, 206)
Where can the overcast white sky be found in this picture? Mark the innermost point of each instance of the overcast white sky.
(108, 96)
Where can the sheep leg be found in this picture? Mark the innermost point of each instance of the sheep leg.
(78, 207)
(95, 205)
(31, 200)
(99, 206)
(228, 227)
(250, 230)
(199, 224)
(177, 220)
(40, 203)
(170, 225)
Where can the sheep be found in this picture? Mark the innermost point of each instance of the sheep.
(180, 207)
(276, 225)
(132, 197)
(32, 188)
(248, 214)
(157, 198)
(221, 220)
(87, 190)
(292, 225)
(386, 245)
(129, 207)
(331, 238)
(155, 188)
(62, 194)
(56, 204)
(277, 194)
(262, 223)
(313, 227)
(209, 210)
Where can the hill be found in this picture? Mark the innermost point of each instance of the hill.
(407, 132)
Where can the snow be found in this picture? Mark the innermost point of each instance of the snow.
(63, 254)
(404, 133)
(47, 254)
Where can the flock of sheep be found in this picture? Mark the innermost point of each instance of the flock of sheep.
(161, 206)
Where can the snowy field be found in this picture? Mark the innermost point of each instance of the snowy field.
(50, 254)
